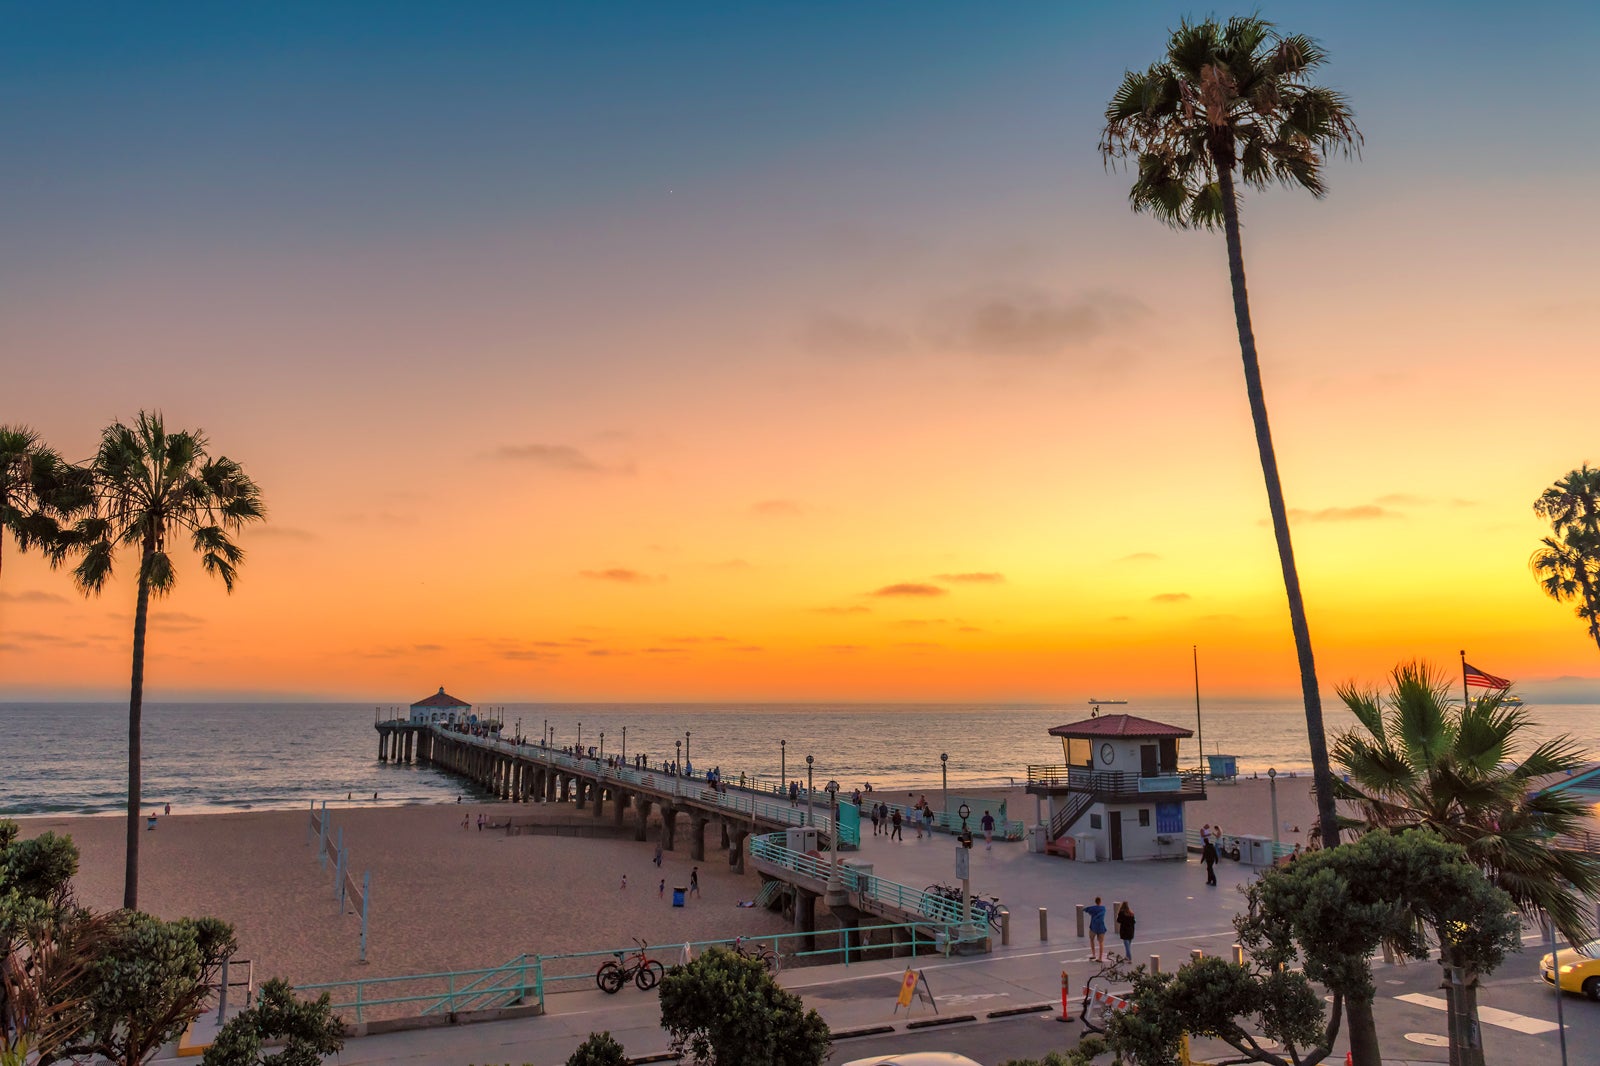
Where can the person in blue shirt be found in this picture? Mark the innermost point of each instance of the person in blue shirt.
(1097, 930)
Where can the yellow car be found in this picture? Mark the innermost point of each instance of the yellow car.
(1580, 969)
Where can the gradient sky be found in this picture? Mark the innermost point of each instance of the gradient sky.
(787, 351)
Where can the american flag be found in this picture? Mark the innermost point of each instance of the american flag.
(1478, 679)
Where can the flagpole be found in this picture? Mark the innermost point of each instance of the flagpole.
(1464, 680)
(1199, 730)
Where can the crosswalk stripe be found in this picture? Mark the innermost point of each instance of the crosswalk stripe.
(1505, 1019)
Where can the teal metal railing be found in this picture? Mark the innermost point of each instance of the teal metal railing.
(881, 890)
(529, 978)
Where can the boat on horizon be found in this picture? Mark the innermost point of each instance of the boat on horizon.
(1108, 703)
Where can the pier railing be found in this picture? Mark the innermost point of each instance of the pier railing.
(1117, 784)
(527, 979)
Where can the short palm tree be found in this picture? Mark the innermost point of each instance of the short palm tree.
(1231, 102)
(1567, 564)
(1422, 762)
(38, 489)
(149, 485)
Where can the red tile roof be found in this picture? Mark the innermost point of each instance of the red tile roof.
(440, 699)
(1119, 725)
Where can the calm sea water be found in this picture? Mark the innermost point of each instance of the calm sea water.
(72, 757)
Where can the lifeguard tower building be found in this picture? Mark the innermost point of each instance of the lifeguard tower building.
(1120, 793)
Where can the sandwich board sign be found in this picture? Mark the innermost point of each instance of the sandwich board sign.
(909, 989)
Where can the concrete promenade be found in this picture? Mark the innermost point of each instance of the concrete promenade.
(1177, 914)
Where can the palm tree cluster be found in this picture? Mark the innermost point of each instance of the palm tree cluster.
(142, 487)
(1467, 773)
(1567, 563)
(1233, 102)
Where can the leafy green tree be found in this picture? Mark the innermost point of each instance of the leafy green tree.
(46, 945)
(146, 985)
(1460, 772)
(726, 1010)
(148, 485)
(1233, 102)
(601, 1049)
(38, 490)
(1567, 563)
(1332, 908)
(308, 1029)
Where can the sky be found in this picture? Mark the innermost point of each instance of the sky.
(790, 351)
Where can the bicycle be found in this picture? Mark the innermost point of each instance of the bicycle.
(637, 967)
(758, 950)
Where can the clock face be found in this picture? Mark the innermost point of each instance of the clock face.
(1107, 753)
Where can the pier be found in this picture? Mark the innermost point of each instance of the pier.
(750, 825)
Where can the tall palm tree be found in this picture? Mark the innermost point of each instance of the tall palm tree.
(37, 491)
(1421, 762)
(149, 484)
(1232, 102)
(1567, 564)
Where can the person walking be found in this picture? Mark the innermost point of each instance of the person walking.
(988, 831)
(1125, 924)
(1097, 930)
(661, 889)
(894, 820)
(876, 820)
(694, 881)
(657, 859)
(1208, 855)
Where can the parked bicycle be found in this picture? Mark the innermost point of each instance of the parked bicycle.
(637, 967)
(986, 905)
(758, 949)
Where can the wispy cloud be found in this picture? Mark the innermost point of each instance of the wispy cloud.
(776, 509)
(1120, 618)
(619, 574)
(853, 609)
(1360, 513)
(909, 588)
(1170, 597)
(1026, 321)
(563, 457)
(528, 655)
(32, 596)
(1140, 557)
(917, 623)
(849, 337)
(272, 532)
(844, 648)
(747, 647)
(974, 578)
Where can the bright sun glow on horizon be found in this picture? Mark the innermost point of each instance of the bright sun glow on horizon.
(711, 359)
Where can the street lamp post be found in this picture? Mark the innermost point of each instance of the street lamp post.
(833, 801)
(783, 765)
(1272, 786)
(944, 777)
(809, 760)
(965, 867)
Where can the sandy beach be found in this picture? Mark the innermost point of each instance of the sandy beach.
(444, 898)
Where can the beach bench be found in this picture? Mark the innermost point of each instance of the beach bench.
(1066, 847)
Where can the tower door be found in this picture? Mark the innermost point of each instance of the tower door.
(1115, 833)
(1149, 760)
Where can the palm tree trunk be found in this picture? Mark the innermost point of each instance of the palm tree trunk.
(130, 883)
(1461, 997)
(1322, 773)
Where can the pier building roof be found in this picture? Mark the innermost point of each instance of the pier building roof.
(1119, 725)
(441, 699)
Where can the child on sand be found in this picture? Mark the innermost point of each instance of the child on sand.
(624, 882)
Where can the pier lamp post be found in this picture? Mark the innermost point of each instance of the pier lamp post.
(624, 743)
(677, 746)
(544, 738)
(783, 767)
(602, 745)
(944, 778)
(688, 759)
(1272, 786)
(809, 760)
(579, 751)
(964, 868)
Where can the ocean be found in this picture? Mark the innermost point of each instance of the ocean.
(71, 758)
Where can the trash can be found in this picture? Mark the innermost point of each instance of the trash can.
(1085, 846)
(677, 895)
(1255, 851)
(150, 822)
(1036, 839)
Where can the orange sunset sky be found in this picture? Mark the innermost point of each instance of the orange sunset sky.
(715, 355)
